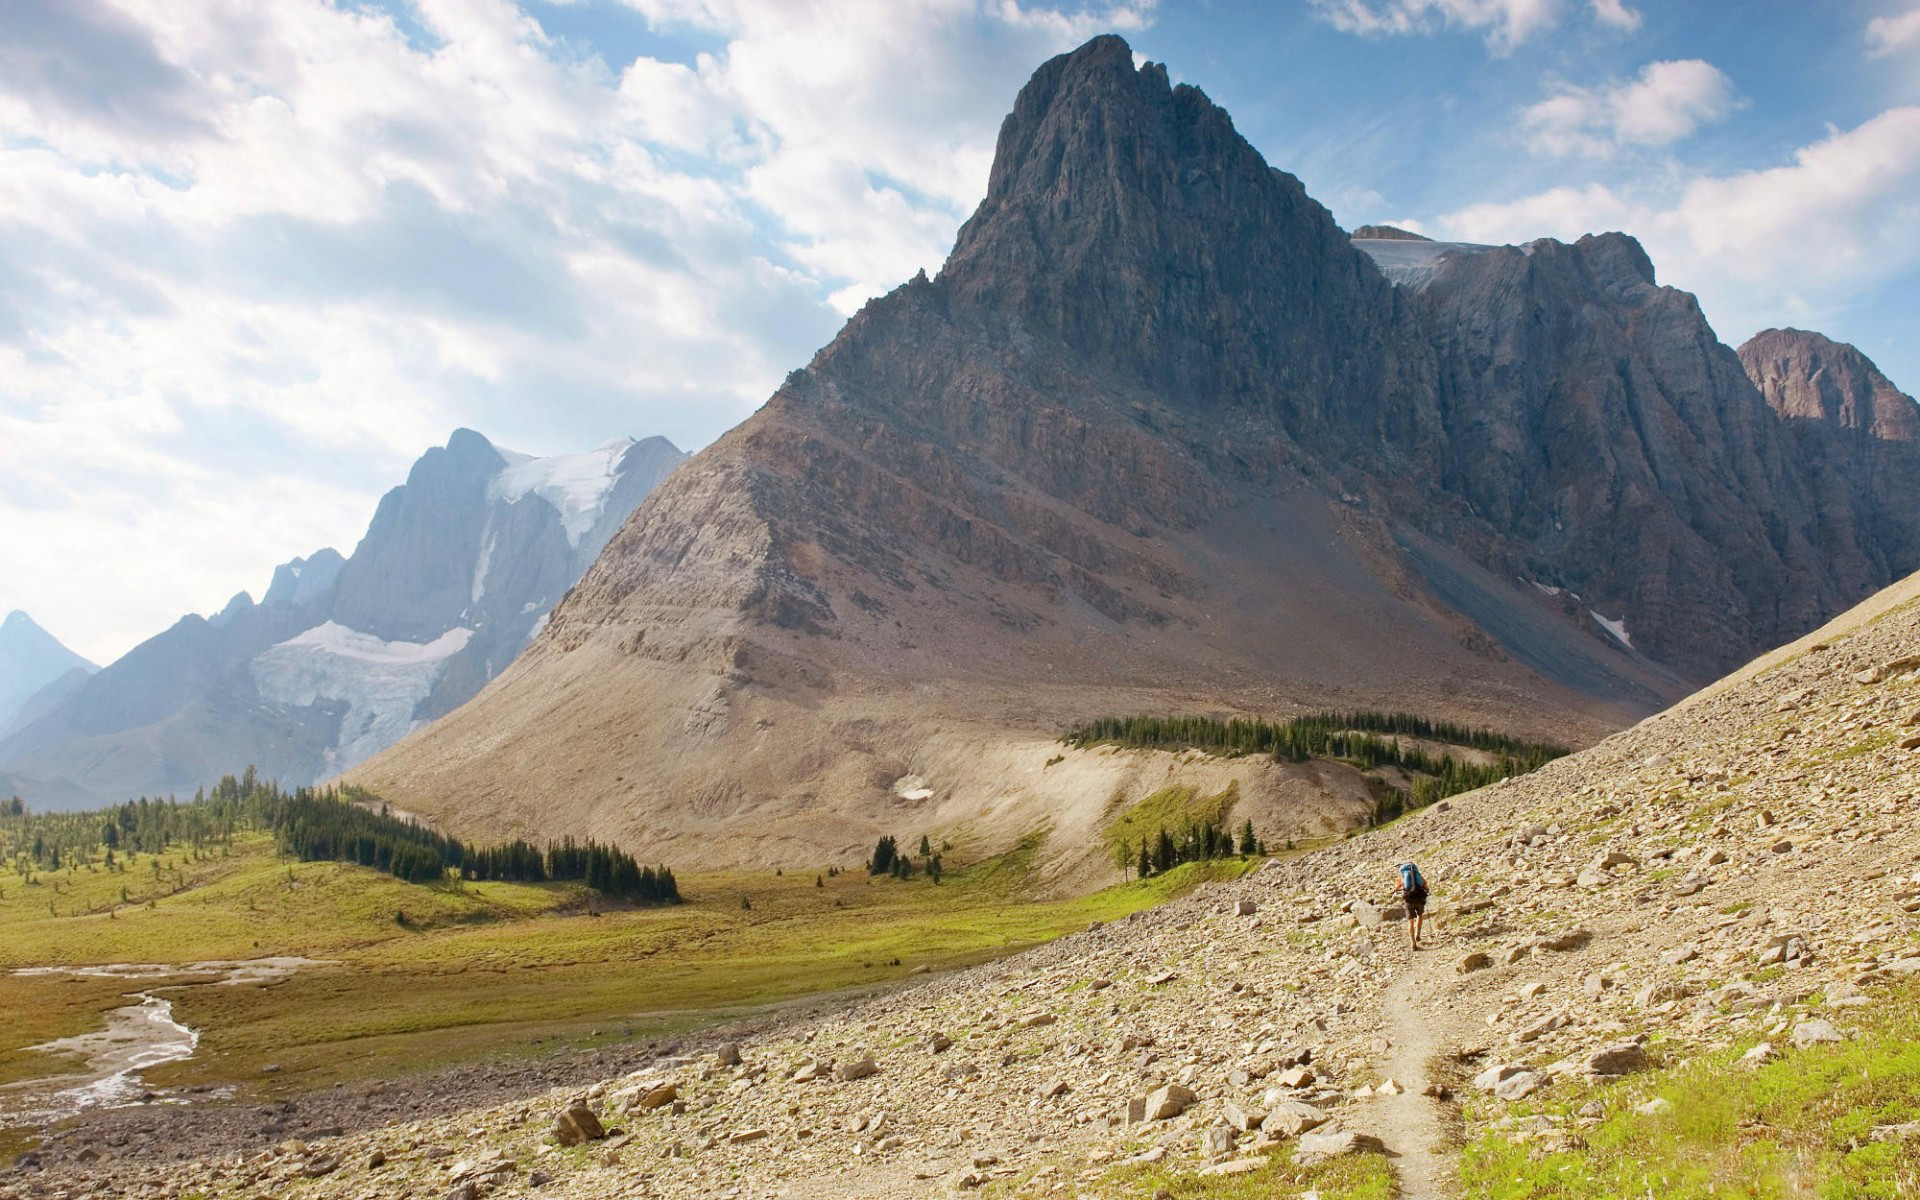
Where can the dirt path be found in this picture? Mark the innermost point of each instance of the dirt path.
(1409, 1123)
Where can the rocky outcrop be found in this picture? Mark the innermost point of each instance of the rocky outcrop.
(1858, 436)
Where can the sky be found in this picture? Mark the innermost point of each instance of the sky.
(257, 255)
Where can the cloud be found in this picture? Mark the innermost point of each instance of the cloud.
(1788, 243)
(255, 258)
(1666, 103)
(1616, 15)
(1507, 23)
(1891, 34)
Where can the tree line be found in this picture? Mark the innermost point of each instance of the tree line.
(1317, 735)
(1197, 841)
(1366, 739)
(344, 824)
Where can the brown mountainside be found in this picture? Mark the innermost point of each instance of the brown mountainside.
(1159, 437)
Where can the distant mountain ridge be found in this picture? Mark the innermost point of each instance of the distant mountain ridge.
(31, 659)
(344, 655)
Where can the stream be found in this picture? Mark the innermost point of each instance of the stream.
(137, 1037)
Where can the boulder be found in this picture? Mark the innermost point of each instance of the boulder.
(1814, 1032)
(1620, 1058)
(1479, 960)
(1166, 1103)
(1290, 1118)
(1239, 1118)
(576, 1124)
(1520, 1085)
(1319, 1147)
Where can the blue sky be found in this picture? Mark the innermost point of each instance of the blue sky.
(255, 257)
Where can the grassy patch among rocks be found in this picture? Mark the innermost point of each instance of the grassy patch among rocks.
(1835, 1120)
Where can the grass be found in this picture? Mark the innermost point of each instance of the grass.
(419, 976)
(1801, 1125)
(1353, 1177)
(1172, 809)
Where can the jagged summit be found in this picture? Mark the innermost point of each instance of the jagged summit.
(1128, 218)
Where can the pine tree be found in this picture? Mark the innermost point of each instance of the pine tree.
(1248, 843)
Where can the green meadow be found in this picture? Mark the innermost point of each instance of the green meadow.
(416, 976)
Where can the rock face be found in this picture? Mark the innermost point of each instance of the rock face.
(1858, 435)
(343, 656)
(1617, 451)
(1158, 435)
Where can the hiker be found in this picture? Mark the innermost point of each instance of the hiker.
(1413, 893)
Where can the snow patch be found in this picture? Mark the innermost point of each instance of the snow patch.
(912, 787)
(381, 683)
(1412, 264)
(576, 485)
(1617, 628)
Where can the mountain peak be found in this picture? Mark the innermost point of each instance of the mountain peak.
(1124, 216)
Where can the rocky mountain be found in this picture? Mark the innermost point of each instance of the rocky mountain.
(1858, 435)
(1716, 907)
(344, 656)
(31, 659)
(1160, 436)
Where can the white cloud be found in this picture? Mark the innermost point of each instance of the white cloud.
(1888, 35)
(255, 258)
(1616, 15)
(1666, 103)
(1789, 243)
(1506, 23)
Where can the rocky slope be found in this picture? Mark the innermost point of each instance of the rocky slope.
(1742, 866)
(342, 656)
(1159, 437)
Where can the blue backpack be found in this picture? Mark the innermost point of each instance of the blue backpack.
(1410, 879)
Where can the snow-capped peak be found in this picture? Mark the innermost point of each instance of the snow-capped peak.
(575, 484)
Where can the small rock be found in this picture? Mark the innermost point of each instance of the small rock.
(1655, 1107)
(728, 1055)
(1477, 961)
(859, 1068)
